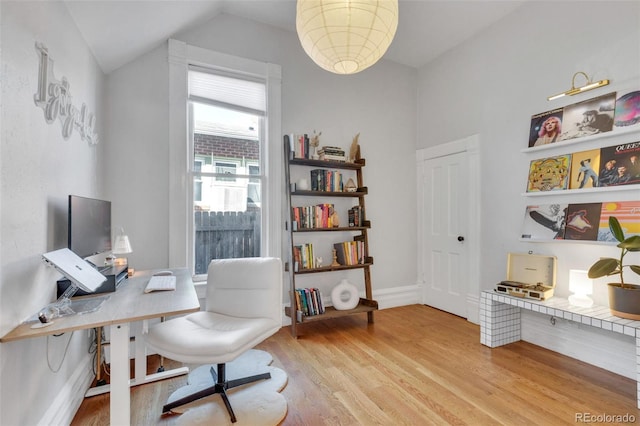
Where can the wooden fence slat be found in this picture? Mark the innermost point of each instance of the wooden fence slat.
(225, 235)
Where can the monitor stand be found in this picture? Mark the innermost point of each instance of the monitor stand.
(65, 306)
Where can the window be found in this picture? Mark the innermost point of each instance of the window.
(240, 75)
(227, 140)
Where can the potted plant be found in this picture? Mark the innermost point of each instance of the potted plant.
(624, 298)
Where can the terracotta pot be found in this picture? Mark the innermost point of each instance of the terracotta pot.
(624, 302)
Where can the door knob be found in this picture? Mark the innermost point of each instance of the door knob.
(460, 238)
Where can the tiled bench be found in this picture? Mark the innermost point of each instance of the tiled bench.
(500, 320)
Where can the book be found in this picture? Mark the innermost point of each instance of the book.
(326, 180)
(583, 221)
(350, 252)
(332, 157)
(549, 174)
(355, 216)
(309, 301)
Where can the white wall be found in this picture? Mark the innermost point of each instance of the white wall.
(379, 103)
(38, 170)
(493, 84)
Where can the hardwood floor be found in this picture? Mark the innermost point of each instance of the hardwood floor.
(415, 365)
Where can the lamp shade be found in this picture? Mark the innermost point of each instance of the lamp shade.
(346, 36)
(581, 286)
(121, 245)
(579, 282)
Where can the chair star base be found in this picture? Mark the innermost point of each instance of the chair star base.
(221, 385)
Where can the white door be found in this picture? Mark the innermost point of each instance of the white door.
(445, 196)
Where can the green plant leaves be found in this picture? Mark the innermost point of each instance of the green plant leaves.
(632, 243)
(604, 267)
(616, 229)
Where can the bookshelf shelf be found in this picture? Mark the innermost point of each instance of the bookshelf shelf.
(359, 235)
(364, 305)
(367, 225)
(360, 192)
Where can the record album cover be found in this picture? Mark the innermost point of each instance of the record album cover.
(549, 174)
(583, 222)
(546, 128)
(620, 165)
(589, 117)
(544, 222)
(584, 169)
(627, 111)
(627, 213)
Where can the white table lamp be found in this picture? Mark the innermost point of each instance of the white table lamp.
(121, 245)
(581, 286)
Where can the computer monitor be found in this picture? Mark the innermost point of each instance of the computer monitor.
(89, 226)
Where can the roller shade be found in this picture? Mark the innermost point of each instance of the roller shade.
(227, 90)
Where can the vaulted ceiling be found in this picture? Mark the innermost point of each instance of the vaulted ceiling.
(118, 31)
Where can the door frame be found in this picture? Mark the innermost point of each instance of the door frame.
(470, 146)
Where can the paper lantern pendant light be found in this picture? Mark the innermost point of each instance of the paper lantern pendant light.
(346, 36)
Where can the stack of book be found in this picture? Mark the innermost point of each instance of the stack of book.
(299, 145)
(309, 217)
(332, 153)
(309, 301)
(350, 252)
(303, 257)
(326, 180)
(356, 215)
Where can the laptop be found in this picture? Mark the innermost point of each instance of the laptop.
(78, 271)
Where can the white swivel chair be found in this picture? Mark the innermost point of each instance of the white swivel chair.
(243, 308)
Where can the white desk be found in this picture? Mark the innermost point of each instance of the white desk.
(500, 320)
(129, 304)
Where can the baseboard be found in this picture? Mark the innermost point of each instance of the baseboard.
(397, 296)
(70, 396)
(473, 308)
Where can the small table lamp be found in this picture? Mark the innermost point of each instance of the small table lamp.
(121, 245)
(581, 286)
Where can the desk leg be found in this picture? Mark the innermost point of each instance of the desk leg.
(140, 354)
(120, 398)
(141, 377)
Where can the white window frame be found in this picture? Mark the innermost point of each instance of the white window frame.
(180, 56)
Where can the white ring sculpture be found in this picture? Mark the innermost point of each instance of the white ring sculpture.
(344, 296)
